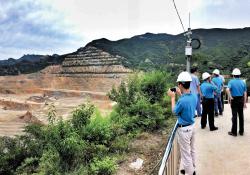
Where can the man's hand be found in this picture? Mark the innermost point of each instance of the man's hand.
(245, 105)
(178, 91)
(171, 94)
(230, 98)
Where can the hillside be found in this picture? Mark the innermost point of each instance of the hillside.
(28, 64)
(224, 49)
(221, 48)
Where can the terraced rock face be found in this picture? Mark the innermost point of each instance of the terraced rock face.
(90, 61)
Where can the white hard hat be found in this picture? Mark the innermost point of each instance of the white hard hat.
(184, 77)
(216, 71)
(236, 71)
(205, 75)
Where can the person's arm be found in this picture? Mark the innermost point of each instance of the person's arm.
(245, 99)
(172, 96)
(198, 86)
(215, 88)
(199, 90)
(176, 108)
(245, 95)
(230, 98)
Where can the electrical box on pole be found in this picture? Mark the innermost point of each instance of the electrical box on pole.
(188, 50)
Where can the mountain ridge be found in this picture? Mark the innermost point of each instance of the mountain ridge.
(221, 48)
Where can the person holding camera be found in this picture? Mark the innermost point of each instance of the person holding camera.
(185, 111)
(237, 94)
(207, 91)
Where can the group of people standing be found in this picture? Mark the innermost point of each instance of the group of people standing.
(191, 94)
(210, 91)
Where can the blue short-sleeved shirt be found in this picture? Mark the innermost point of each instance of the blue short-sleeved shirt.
(237, 87)
(185, 108)
(218, 82)
(194, 83)
(208, 89)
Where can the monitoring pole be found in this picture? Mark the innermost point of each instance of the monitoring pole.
(188, 48)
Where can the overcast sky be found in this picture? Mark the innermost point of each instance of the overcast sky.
(62, 26)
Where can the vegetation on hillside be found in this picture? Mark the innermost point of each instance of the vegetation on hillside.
(220, 48)
(224, 49)
(89, 143)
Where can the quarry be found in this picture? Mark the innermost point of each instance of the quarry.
(85, 76)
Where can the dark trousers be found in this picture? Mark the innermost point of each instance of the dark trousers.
(237, 108)
(222, 100)
(217, 103)
(208, 109)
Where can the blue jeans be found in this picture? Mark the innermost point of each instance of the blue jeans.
(198, 106)
(217, 103)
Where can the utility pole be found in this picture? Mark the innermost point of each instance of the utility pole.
(188, 48)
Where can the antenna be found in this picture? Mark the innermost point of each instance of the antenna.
(189, 20)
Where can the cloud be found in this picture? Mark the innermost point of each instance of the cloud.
(222, 14)
(28, 26)
(59, 26)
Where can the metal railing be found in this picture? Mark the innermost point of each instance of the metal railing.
(171, 159)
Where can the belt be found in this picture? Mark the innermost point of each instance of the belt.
(238, 96)
(207, 98)
(181, 126)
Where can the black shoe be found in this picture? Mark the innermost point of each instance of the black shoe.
(214, 128)
(241, 133)
(232, 134)
(203, 127)
(216, 114)
(221, 113)
(182, 171)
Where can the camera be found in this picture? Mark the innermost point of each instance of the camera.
(173, 89)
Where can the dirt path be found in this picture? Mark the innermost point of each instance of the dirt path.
(221, 154)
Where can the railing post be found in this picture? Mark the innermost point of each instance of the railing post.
(171, 159)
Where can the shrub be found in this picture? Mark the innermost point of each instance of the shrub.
(12, 153)
(154, 86)
(50, 162)
(98, 131)
(120, 144)
(150, 116)
(52, 114)
(29, 166)
(81, 170)
(81, 116)
(103, 166)
(141, 103)
(126, 94)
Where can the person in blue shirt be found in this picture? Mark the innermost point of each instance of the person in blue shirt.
(217, 97)
(207, 91)
(237, 94)
(185, 111)
(195, 89)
